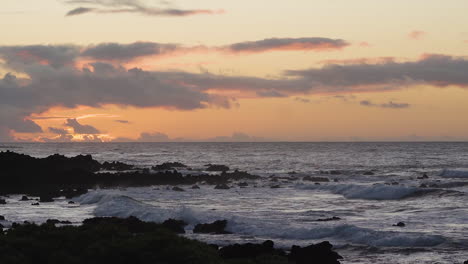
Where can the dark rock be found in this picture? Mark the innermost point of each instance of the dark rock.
(334, 218)
(292, 172)
(1, 227)
(214, 167)
(222, 187)
(71, 202)
(2, 201)
(169, 166)
(35, 204)
(195, 187)
(217, 227)
(243, 184)
(400, 224)
(52, 221)
(319, 253)
(368, 173)
(335, 172)
(177, 226)
(65, 222)
(116, 166)
(249, 250)
(317, 183)
(178, 189)
(24, 198)
(46, 199)
(275, 186)
(424, 176)
(423, 185)
(466, 262)
(315, 179)
(2, 218)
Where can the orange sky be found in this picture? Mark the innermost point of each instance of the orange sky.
(263, 72)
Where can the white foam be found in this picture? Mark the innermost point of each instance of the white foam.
(110, 204)
(368, 192)
(349, 233)
(458, 173)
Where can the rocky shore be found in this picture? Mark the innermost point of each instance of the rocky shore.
(57, 175)
(116, 240)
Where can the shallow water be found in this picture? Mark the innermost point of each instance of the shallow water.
(436, 218)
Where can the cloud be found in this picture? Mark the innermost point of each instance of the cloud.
(127, 52)
(390, 104)
(275, 44)
(417, 34)
(132, 6)
(53, 55)
(81, 129)
(58, 131)
(79, 11)
(102, 83)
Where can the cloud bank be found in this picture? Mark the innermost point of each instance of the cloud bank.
(54, 80)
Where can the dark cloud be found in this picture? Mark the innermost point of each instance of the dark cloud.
(126, 52)
(433, 69)
(390, 104)
(271, 44)
(58, 131)
(79, 11)
(53, 55)
(81, 129)
(132, 6)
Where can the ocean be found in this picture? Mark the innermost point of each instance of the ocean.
(368, 187)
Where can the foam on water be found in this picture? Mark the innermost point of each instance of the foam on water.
(458, 173)
(369, 192)
(109, 204)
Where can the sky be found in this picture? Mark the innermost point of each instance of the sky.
(219, 70)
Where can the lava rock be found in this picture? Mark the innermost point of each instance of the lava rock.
(177, 226)
(46, 199)
(116, 166)
(215, 167)
(319, 253)
(400, 224)
(178, 189)
(169, 166)
(424, 176)
(315, 179)
(243, 184)
(2, 218)
(222, 187)
(249, 250)
(71, 202)
(52, 221)
(217, 227)
(334, 218)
